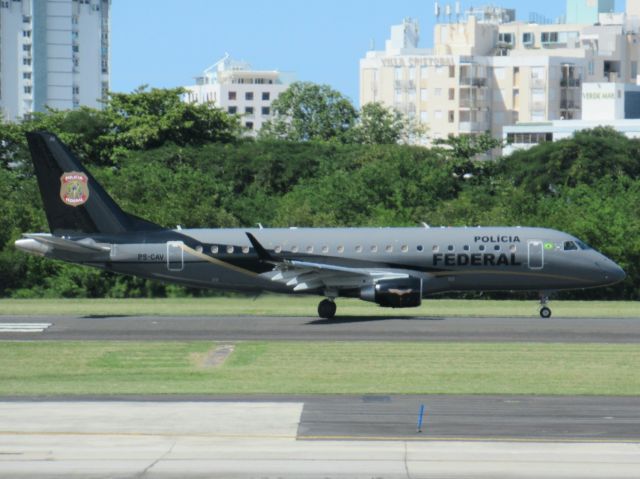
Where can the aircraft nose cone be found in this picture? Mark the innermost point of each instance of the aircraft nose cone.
(612, 272)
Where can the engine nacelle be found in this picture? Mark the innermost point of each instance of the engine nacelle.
(394, 293)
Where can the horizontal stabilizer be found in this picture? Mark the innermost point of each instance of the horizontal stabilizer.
(86, 246)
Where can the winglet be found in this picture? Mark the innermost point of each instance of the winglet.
(263, 254)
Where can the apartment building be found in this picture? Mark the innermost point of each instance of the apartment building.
(53, 53)
(484, 73)
(235, 87)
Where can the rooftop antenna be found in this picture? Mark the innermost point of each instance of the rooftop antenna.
(447, 11)
(436, 11)
(458, 11)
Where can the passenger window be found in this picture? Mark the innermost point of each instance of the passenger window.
(199, 249)
(340, 249)
(570, 246)
(404, 248)
(278, 249)
(294, 249)
(419, 247)
(245, 249)
(435, 248)
(214, 249)
(389, 249)
(481, 247)
(374, 249)
(450, 247)
(497, 247)
(309, 249)
(230, 249)
(325, 249)
(359, 249)
(513, 248)
(466, 247)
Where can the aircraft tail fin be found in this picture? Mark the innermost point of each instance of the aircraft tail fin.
(73, 200)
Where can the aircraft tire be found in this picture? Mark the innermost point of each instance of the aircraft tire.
(545, 312)
(327, 309)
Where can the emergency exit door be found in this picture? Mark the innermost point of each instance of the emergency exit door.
(175, 256)
(536, 254)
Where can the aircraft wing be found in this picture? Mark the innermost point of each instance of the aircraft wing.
(304, 275)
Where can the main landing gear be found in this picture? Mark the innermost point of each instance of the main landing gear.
(327, 308)
(545, 311)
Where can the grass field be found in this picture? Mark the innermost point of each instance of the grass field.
(270, 305)
(108, 368)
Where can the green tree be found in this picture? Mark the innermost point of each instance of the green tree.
(468, 147)
(381, 125)
(306, 111)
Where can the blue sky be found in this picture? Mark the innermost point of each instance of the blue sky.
(166, 43)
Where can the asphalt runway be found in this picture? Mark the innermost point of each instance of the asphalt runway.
(375, 328)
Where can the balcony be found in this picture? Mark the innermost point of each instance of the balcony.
(473, 81)
(538, 83)
(473, 126)
(474, 103)
(405, 85)
(538, 106)
(570, 82)
(569, 105)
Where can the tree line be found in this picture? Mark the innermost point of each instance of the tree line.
(175, 163)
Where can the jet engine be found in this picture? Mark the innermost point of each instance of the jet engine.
(394, 293)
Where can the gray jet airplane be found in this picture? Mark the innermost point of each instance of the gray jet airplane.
(393, 267)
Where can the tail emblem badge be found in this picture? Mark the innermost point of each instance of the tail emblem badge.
(74, 188)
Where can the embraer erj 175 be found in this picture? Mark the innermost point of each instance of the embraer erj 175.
(393, 267)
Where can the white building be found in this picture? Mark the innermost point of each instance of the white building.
(235, 87)
(53, 53)
(486, 71)
(603, 104)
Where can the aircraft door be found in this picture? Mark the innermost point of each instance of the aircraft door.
(175, 256)
(536, 254)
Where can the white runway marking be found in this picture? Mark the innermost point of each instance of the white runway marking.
(23, 327)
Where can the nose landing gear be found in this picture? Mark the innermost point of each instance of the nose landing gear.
(545, 311)
(327, 308)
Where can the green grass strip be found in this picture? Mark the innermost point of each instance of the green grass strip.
(272, 305)
(109, 368)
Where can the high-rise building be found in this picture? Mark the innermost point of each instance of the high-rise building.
(53, 53)
(239, 89)
(484, 73)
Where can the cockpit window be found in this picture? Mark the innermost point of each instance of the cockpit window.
(570, 246)
(583, 245)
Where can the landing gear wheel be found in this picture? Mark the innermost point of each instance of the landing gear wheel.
(327, 309)
(545, 312)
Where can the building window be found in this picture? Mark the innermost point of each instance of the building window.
(248, 95)
(248, 110)
(505, 38)
(75, 48)
(424, 116)
(232, 95)
(424, 71)
(398, 73)
(26, 33)
(266, 96)
(437, 92)
(549, 37)
(527, 38)
(398, 96)
(26, 61)
(452, 71)
(232, 110)
(452, 116)
(76, 90)
(424, 94)
(27, 90)
(26, 75)
(452, 93)
(266, 111)
(248, 125)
